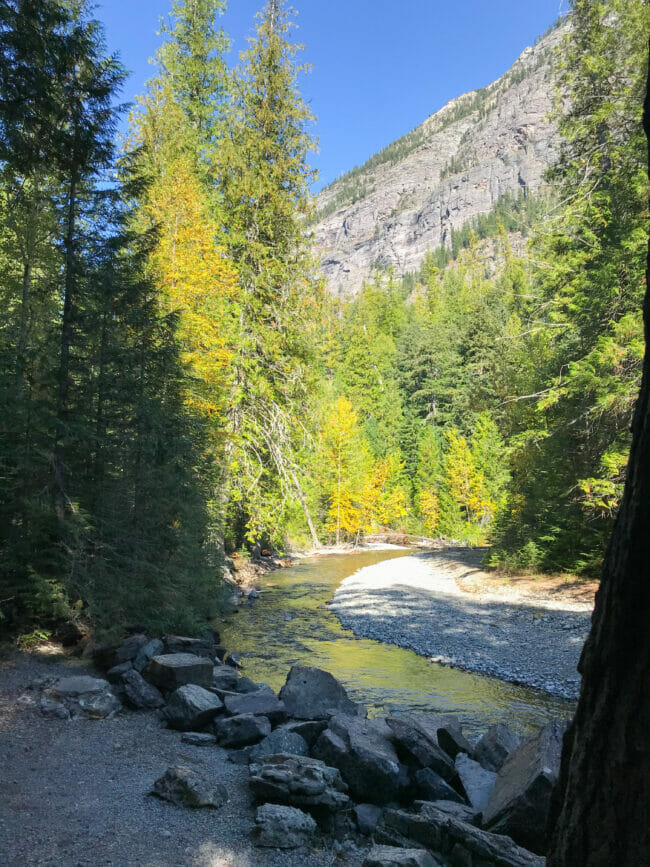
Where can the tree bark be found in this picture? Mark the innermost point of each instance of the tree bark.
(601, 809)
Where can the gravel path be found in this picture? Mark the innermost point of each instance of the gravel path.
(415, 602)
(75, 792)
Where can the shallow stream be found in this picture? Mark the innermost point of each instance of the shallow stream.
(291, 623)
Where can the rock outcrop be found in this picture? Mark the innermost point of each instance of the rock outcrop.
(453, 167)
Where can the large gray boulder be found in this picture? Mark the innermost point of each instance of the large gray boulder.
(308, 729)
(185, 788)
(392, 856)
(138, 693)
(453, 841)
(129, 648)
(367, 816)
(262, 702)
(364, 755)
(416, 741)
(241, 731)
(477, 781)
(196, 646)
(224, 678)
(82, 695)
(152, 648)
(431, 787)
(172, 670)
(495, 746)
(451, 808)
(191, 707)
(280, 741)
(311, 693)
(521, 798)
(298, 781)
(282, 827)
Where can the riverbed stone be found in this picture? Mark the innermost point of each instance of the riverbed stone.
(431, 787)
(416, 740)
(191, 707)
(138, 693)
(311, 693)
(171, 670)
(520, 801)
(298, 781)
(495, 746)
(280, 741)
(364, 755)
(393, 856)
(281, 827)
(241, 731)
(263, 702)
(477, 781)
(186, 788)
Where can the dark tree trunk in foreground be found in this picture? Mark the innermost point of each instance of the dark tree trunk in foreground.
(602, 803)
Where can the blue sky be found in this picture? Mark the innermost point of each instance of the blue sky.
(380, 67)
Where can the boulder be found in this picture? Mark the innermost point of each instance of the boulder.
(114, 675)
(202, 647)
(262, 702)
(310, 693)
(451, 808)
(57, 709)
(219, 652)
(282, 827)
(310, 730)
(449, 734)
(77, 685)
(364, 755)
(152, 648)
(477, 782)
(245, 684)
(298, 781)
(453, 840)
(140, 694)
(280, 741)
(392, 856)
(199, 739)
(87, 696)
(495, 746)
(172, 670)
(521, 797)
(416, 740)
(367, 816)
(431, 787)
(128, 650)
(224, 678)
(185, 788)
(241, 731)
(191, 707)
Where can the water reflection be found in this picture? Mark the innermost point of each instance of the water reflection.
(291, 624)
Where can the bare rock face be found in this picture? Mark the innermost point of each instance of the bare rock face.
(450, 169)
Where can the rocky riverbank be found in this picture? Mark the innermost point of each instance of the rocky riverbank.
(163, 753)
(422, 603)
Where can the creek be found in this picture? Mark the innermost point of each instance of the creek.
(291, 623)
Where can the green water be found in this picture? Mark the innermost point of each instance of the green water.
(291, 624)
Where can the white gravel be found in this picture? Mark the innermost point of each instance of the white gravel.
(415, 602)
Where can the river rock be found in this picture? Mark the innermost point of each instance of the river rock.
(280, 741)
(152, 648)
(185, 788)
(417, 741)
(431, 787)
(298, 781)
(495, 746)
(477, 781)
(262, 702)
(282, 827)
(455, 841)
(191, 707)
(201, 647)
(364, 755)
(172, 670)
(140, 694)
(520, 801)
(199, 739)
(241, 731)
(392, 856)
(311, 693)
(367, 816)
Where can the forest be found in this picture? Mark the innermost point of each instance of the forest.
(176, 382)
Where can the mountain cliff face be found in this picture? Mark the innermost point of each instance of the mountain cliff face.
(407, 199)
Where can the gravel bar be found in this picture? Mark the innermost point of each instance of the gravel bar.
(415, 603)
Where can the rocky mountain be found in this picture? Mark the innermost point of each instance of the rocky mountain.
(410, 196)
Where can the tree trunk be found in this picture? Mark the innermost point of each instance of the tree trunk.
(303, 502)
(601, 808)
